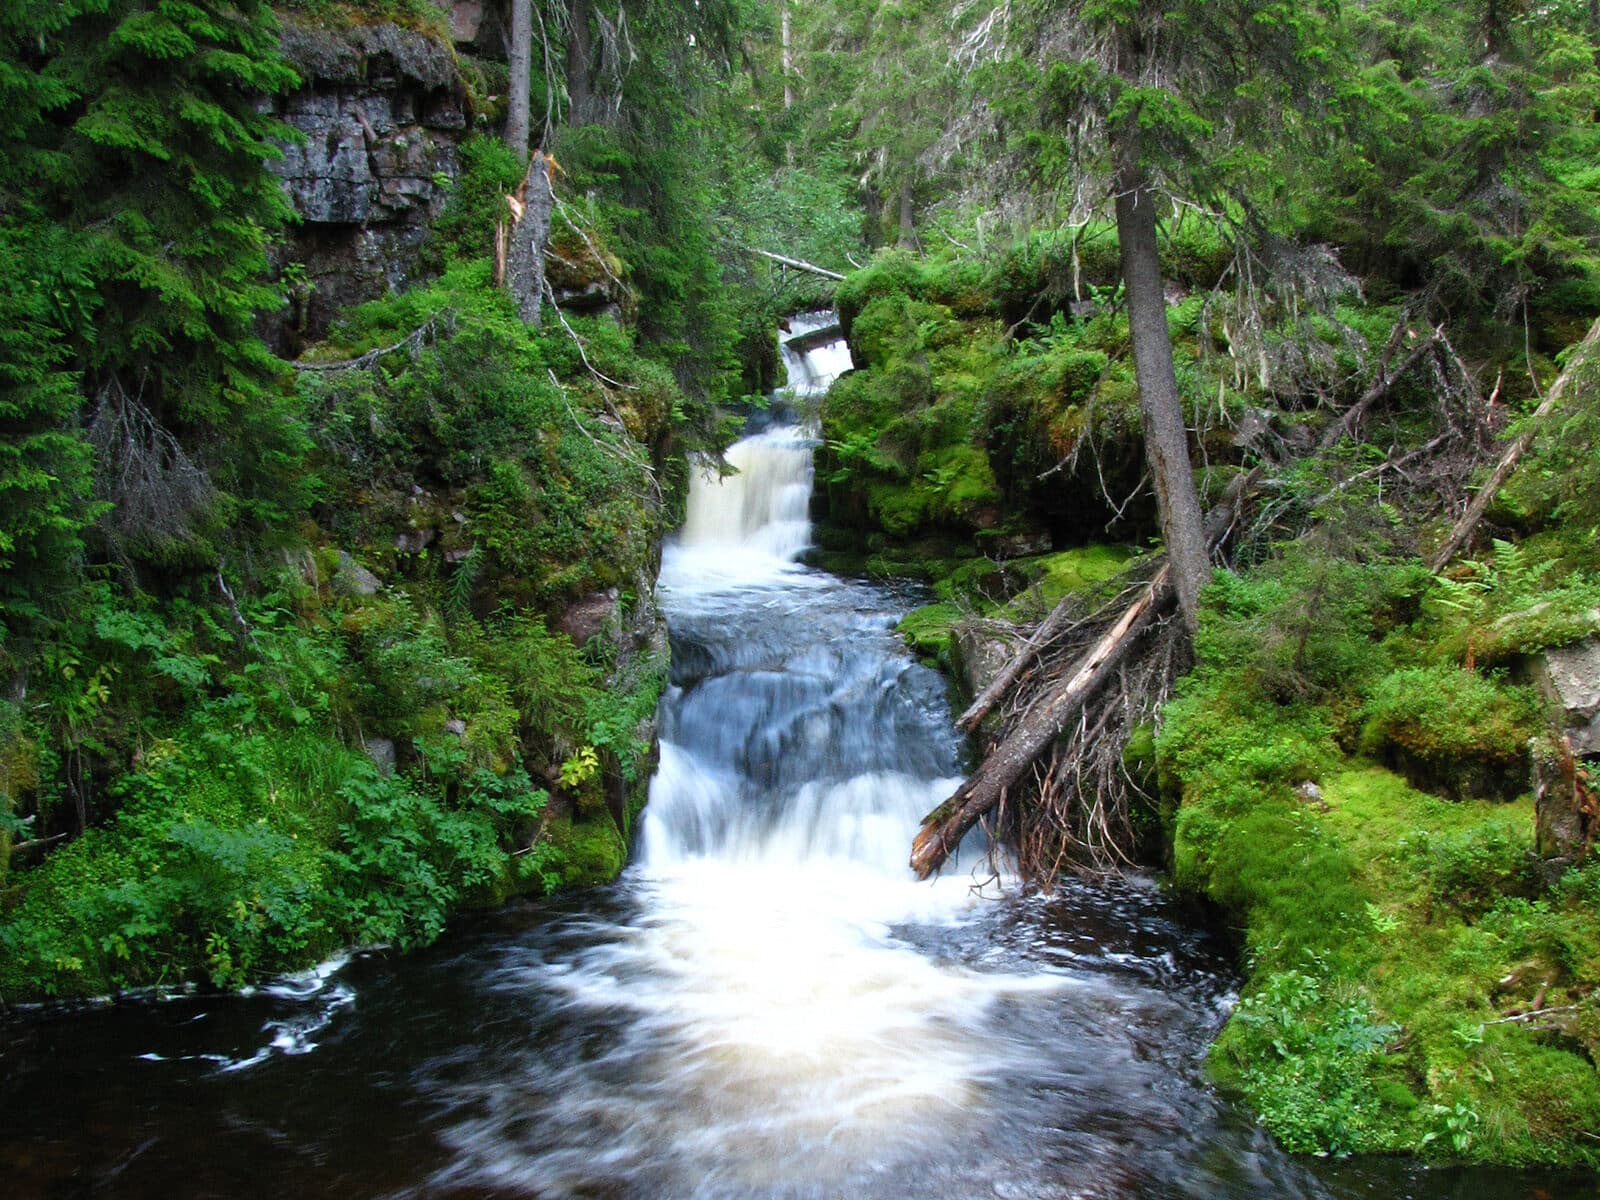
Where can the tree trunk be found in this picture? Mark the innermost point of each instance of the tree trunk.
(788, 60)
(526, 237)
(788, 83)
(580, 65)
(908, 229)
(521, 55)
(1166, 438)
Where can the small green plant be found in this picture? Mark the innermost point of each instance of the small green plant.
(579, 768)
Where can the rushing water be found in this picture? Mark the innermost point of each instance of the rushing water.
(766, 1005)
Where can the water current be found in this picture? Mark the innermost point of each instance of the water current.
(765, 1005)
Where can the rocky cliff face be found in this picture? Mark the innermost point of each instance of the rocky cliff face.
(382, 110)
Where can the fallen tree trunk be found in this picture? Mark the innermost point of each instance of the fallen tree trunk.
(1462, 531)
(1216, 525)
(944, 827)
(799, 264)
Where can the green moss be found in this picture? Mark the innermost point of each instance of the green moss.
(587, 851)
(928, 629)
(1052, 576)
(1452, 729)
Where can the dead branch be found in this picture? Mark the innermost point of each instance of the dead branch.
(156, 491)
(1378, 389)
(413, 341)
(1462, 532)
(799, 264)
(1055, 624)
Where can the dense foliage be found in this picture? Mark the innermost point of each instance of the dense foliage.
(304, 655)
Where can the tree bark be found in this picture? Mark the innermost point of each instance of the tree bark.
(908, 229)
(526, 236)
(788, 80)
(1166, 437)
(788, 60)
(580, 65)
(518, 121)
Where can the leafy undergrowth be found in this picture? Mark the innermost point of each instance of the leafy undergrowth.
(1416, 978)
(371, 717)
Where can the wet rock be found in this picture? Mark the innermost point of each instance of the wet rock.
(381, 752)
(589, 617)
(352, 579)
(1311, 795)
(979, 650)
(1569, 679)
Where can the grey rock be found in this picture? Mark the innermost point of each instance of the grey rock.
(381, 111)
(456, 726)
(381, 752)
(414, 541)
(352, 579)
(466, 18)
(367, 54)
(1310, 794)
(1569, 679)
(979, 650)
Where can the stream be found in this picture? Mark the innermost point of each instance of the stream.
(765, 1005)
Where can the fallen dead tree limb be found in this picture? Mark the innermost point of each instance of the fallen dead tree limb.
(799, 264)
(1377, 390)
(944, 827)
(1061, 616)
(1461, 533)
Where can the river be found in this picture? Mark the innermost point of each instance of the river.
(765, 1005)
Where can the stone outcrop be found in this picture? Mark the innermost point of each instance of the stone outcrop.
(1569, 679)
(1566, 766)
(382, 110)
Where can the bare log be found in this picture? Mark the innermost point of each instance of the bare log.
(943, 829)
(1216, 525)
(799, 264)
(1462, 531)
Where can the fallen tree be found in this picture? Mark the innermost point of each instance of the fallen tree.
(1069, 714)
(943, 828)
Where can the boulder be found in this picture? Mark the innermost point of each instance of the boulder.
(979, 650)
(381, 752)
(1569, 679)
(589, 617)
(352, 579)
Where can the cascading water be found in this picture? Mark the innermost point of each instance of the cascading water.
(766, 1005)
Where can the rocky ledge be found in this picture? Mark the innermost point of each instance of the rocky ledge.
(382, 111)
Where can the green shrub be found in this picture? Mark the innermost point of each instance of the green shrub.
(1452, 728)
